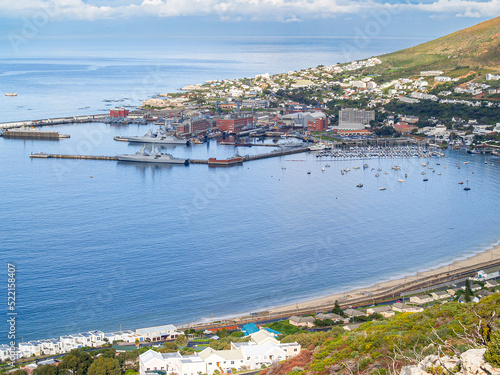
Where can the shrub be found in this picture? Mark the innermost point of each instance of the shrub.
(492, 355)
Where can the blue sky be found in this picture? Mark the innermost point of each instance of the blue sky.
(114, 20)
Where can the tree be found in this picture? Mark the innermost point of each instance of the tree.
(104, 366)
(337, 310)
(46, 370)
(169, 347)
(468, 291)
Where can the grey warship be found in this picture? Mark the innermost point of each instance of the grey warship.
(159, 137)
(153, 156)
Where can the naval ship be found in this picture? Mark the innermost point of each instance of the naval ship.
(153, 156)
(160, 137)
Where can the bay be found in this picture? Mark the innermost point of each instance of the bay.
(104, 245)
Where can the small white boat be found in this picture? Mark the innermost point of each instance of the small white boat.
(356, 167)
(401, 180)
(323, 169)
(11, 94)
(382, 188)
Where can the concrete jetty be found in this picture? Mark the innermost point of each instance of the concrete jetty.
(33, 134)
(53, 121)
(43, 155)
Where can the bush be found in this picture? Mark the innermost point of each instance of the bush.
(492, 355)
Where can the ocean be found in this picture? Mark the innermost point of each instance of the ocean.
(104, 245)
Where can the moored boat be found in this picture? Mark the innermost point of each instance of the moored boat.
(143, 156)
(214, 162)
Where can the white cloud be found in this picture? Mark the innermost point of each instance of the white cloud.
(280, 10)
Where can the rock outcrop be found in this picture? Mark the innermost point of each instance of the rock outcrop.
(470, 362)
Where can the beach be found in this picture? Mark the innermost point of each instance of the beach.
(355, 295)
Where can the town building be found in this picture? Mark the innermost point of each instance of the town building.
(430, 73)
(384, 310)
(234, 124)
(354, 119)
(421, 299)
(439, 295)
(301, 321)
(488, 273)
(402, 307)
(159, 333)
(262, 349)
(118, 112)
(351, 313)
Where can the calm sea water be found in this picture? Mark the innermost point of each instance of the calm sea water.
(101, 244)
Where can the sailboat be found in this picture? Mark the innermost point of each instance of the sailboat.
(467, 188)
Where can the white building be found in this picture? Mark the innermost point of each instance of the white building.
(30, 349)
(354, 119)
(492, 77)
(68, 343)
(262, 349)
(488, 273)
(421, 299)
(159, 333)
(52, 346)
(430, 73)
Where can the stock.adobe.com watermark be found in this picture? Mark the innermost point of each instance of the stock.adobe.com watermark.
(11, 303)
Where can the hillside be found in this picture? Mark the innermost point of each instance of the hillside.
(475, 48)
(384, 347)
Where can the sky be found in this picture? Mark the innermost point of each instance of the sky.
(115, 21)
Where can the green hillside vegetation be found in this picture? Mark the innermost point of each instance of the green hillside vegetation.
(383, 347)
(476, 48)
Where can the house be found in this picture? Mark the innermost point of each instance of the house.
(68, 343)
(221, 360)
(402, 307)
(421, 299)
(30, 349)
(158, 333)
(351, 313)
(453, 291)
(52, 346)
(491, 284)
(331, 316)
(262, 349)
(272, 331)
(6, 352)
(351, 327)
(439, 295)
(250, 328)
(384, 310)
(96, 338)
(473, 287)
(488, 273)
(191, 365)
(482, 293)
(299, 321)
(151, 361)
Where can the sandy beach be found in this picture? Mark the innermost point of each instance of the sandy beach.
(343, 298)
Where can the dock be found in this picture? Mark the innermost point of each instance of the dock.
(43, 155)
(53, 121)
(33, 134)
(276, 153)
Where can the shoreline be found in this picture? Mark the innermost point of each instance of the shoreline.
(490, 254)
(467, 261)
